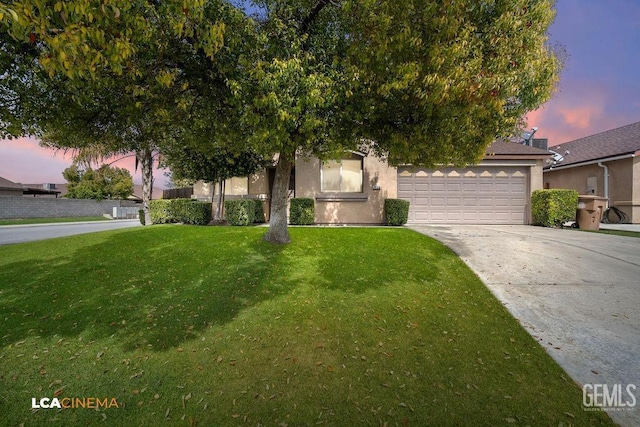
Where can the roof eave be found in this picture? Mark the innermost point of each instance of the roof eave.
(593, 161)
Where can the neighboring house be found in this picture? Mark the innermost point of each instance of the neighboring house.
(46, 190)
(353, 190)
(606, 164)
(10, 188)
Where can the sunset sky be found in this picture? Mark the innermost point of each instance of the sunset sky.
(599, 89)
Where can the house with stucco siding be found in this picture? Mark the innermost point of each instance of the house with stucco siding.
(606, 164)
(352, 189)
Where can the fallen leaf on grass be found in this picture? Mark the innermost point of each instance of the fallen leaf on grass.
(184, 399)
(136, 375)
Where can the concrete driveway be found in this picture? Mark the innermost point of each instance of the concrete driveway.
(577, 293)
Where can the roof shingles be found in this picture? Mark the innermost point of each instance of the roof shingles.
(612, 143)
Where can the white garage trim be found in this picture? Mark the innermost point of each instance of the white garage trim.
(473, 195)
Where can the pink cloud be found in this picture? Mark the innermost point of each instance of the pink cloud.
(24, 160)
(581, 117)
(580, 110)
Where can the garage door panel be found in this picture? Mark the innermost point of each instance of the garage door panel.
(454, 216)
(454, 202)
(476, 195)
(436, 201)
(470, 202)
(422, 201)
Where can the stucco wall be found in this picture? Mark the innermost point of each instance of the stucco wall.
(37, 207)
(536, 180)
(9, 192)
(624, 183)
(355, 208)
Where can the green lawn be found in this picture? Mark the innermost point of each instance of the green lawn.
(212, 326)
(50, 220)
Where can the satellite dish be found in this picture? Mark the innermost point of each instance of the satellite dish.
(527, 136)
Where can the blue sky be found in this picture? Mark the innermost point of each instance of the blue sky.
(599, 90)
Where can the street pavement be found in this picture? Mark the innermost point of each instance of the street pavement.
(577, 293)
(27, 233)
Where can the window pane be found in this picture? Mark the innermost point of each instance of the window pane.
(352, 176)
(236, 186)
(330, 176)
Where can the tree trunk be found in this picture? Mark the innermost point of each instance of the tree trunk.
(220, 203)
(278, 232)
(145, 159)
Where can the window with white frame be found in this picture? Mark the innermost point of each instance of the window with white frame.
(342, 176)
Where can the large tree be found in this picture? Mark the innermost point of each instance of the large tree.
(107, 74)
(430, 82)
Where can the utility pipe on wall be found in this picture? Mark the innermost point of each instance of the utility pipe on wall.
(606, 181)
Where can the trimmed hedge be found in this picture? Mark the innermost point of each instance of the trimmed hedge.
(197, 213)
(159, 211)
(239, 211)
(258, 215)
(302, 211)
(187, 211)
(141, 216)
(396, 211)
(552, 208)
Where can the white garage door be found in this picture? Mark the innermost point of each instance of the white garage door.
(474, 195)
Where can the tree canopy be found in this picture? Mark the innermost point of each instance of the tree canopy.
(106, 182)
(428, 82)
(108, 74)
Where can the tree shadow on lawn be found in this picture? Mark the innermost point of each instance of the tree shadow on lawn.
(164, 295)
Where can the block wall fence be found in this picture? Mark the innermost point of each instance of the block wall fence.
(36, 207)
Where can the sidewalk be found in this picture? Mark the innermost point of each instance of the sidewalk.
(621, 227)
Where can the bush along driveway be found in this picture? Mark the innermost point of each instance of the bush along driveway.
(212, 326)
